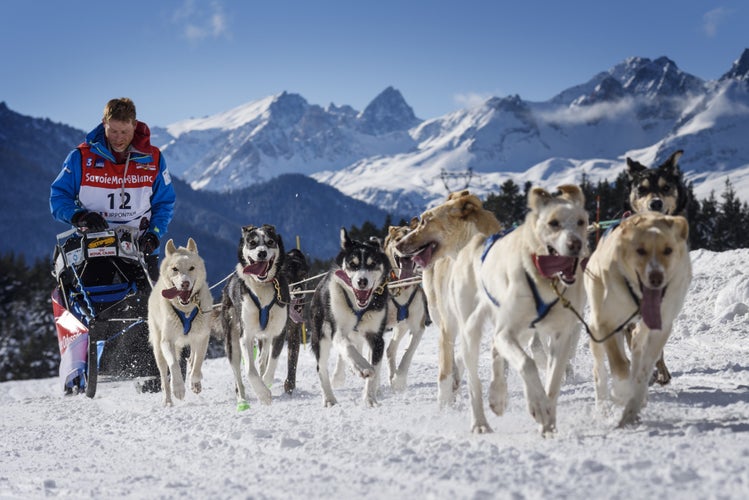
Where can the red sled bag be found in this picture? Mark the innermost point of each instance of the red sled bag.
(72, 337)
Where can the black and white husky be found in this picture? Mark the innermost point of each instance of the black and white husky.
(349, 307)
(254, 307)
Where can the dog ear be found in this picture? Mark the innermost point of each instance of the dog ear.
(414, 222)
(170, 248)
(671, 165)
(247, 229)
(345, 240)
(537, 198)
(634, 167)
(192, 246)
(573, 193)
(681, 226)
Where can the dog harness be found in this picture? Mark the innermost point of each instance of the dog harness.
(542, 308)
(186, 319)
(403, 308)
(264, 311)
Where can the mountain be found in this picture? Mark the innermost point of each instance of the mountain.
(385, 156)
(283, 134)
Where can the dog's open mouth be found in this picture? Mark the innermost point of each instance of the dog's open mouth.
(423, 255)
(259, 268)
(171, 293)
(650, 306)
(554, 265)
(406, 266)
(362, 295)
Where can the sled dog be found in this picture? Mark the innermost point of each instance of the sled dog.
(179, 316)
(407, 308)
(349, 308)
(660, 189)
(434, 244)
(254, 308)
(641, 271)
(295, 270)
(515, 279)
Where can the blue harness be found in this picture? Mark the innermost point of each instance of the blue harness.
(542, 308)
(186, 319)
(403, 308)
(264, 311)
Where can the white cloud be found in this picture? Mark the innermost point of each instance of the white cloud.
(574, 115)
(201, 20)
(713, 18)
(470, 100)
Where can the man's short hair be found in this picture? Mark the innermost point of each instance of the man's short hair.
(122, 109)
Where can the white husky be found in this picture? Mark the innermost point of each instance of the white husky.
(179, 316)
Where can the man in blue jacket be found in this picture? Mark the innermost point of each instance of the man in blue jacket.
(116, 177)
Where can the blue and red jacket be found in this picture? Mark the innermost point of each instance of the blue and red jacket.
(124, 194)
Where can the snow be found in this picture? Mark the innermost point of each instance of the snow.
(692, 442)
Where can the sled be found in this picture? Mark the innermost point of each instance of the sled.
(100, 307)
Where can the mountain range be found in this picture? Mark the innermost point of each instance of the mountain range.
(387, 157)
(311, 169)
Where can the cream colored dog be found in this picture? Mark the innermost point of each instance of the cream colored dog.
(434, 244)
(179, 315)
(640, 271)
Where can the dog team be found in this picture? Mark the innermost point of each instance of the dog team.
(529, 286)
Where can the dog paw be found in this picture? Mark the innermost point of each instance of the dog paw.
(366, 373)
(179, 391)
(289, 386)
(265, 396)
(197, 387)
(548, 431)
(481, 428)
(329, 402)
(371, 402)
(398, 382)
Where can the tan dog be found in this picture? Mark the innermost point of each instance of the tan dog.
(407, 310)
(179, 315)
(434, 245)
(641, 270)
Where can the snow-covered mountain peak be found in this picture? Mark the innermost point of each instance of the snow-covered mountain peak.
(388, 112)
(740, 68)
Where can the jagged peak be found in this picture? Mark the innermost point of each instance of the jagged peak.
(388, 112)
(740, 68)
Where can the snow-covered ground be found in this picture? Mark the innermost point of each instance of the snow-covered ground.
(693, 441)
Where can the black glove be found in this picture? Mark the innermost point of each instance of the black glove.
(148, 243)
(92, 221)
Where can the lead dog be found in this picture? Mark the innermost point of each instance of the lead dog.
(508, 278)
(179, 315)
(660, 189)
(640, 271)
(434, 245)
(349, 307)
(254, 307)
(408, 308)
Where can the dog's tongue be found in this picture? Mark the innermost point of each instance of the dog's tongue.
(650, 307)
(170, 293)
(424, 256)
(406, 268)
(551, 265)
(258, 268)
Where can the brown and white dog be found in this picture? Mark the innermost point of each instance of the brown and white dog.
(657, 189)
(435, 245)
(407, 311)
(640, 271)
(179, 315)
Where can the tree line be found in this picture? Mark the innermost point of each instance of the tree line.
(28, 339)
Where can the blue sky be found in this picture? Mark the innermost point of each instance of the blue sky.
(188, 58)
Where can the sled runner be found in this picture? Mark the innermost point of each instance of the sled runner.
(100, 308)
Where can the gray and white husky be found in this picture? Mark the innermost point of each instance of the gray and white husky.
(254, 307)
(349, 308)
